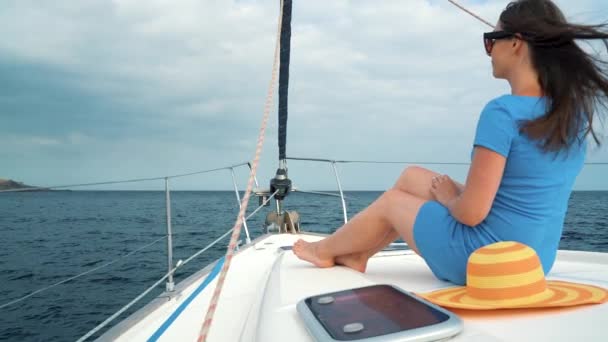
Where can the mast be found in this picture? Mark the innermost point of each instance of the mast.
(285, 221)
(284, 78)
(281, 182)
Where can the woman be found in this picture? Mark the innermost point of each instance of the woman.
(528, 149)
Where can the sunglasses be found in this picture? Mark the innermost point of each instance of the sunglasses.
(490, 38)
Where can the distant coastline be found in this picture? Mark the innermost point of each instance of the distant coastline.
(9, 184)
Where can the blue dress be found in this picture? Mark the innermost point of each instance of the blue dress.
(531, 202)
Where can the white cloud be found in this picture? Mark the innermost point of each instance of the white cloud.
(388, 79)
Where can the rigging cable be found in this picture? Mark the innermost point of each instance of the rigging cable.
(204, 332)
(471, 13)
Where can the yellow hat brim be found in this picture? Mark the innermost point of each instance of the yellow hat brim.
(557, 294)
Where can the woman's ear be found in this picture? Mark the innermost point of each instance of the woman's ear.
(517, 41)
(518, 45)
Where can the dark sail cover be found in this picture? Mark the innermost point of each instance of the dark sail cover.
(284, 77)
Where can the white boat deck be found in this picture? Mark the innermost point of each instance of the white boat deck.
(264, 284)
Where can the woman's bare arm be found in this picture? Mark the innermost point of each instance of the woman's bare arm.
(473, 204)
(460, 187)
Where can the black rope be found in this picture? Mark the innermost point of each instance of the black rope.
(284, 76)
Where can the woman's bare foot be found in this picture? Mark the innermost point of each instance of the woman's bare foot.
(307, 251)
(356, 261)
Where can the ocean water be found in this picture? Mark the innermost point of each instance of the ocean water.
(51, 236)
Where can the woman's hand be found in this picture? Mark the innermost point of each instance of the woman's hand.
(444, 189)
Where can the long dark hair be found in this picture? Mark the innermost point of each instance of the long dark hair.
(574, 82)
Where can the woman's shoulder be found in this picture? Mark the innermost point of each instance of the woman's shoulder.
(510, 99)
(516, 106)
(497, 106)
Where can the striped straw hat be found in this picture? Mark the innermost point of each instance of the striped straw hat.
(507, 275)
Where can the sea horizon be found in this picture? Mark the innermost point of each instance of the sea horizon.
(229, 190)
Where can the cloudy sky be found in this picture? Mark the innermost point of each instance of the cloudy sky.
(103, 90)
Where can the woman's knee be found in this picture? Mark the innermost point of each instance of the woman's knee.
(407, 174)
(400, 209)
(416, 180)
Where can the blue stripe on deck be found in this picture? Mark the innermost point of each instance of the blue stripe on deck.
(214, 272)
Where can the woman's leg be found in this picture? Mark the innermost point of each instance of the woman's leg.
(417, 181)
(358, 261)
(414, 180)
(394, 210)
(414, 184)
